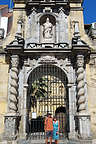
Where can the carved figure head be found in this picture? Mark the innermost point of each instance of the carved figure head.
(47, 20)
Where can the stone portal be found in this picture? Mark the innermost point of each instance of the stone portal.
(47, 73)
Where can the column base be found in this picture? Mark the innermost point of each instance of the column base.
(11, 126)
(24, 136)
(83, 126)
(72, 136)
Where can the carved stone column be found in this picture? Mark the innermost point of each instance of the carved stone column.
(82, 117)
(72, 134)
(80, 84)
(72, 101)
(12, 117)
(25, 111)
(13, 98)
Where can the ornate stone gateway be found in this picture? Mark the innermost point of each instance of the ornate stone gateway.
(47, 73)
(47, 92)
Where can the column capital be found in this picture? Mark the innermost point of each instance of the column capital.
(80, 60)
(14, 56)
(15, 60)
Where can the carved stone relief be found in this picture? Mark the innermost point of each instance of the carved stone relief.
(92, 67)
(33, 27)
(62, 63)
(81, 84)
(13, 100)
(47, 29)
(63, 26)
(44, 45)
(11, 126)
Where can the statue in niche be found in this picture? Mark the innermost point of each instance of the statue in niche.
(47, 29)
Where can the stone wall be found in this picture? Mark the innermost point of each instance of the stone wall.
(90, 69)
(91, 84)
(3, 91)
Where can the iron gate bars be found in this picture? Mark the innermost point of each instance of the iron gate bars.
(47, 92)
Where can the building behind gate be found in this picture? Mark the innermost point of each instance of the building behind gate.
(48, 61)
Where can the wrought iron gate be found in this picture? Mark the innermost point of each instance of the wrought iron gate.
(47, 92)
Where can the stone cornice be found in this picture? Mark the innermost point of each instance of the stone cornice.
(39, 1)
(70, 1)
(19, 1)
(76, 1)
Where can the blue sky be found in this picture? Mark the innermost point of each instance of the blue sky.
(88, 5)
(89, 11)
(6, 2)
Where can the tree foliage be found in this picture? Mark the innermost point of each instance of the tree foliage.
(38, 91)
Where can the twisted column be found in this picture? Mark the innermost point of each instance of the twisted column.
(13, 84)
(81, 100)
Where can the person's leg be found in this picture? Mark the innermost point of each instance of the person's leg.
(46, 140)
(50, 140)
(51, 136)
(47, 135)
(56, 141)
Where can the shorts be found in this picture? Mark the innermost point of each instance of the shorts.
(49, 134)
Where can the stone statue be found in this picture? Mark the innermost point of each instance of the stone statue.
(47, 29)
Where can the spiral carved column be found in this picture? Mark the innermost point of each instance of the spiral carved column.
(81, 100)
(82, 116)
(12, 118)
(13, 101)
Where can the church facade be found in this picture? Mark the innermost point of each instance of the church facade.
(49, 60)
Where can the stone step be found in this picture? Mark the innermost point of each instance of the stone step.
(79, 142)
(60, 142)
(38, 142)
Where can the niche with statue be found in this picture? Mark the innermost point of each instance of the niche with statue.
(47, 29)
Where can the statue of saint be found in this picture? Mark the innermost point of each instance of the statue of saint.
(47, 29)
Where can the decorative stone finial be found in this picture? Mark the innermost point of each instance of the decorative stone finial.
(76, 29)
(77, 38)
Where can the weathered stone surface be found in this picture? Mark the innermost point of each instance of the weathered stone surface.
(43, 47)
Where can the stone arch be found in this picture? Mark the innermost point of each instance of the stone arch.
(65, 66)
(60, 63)
(60, 109)
(47, 14)
(43, 18)
(61, 115)
(62, 80)
(38, 66)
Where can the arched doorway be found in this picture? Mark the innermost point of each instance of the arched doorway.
(61, 114)
(47, 91)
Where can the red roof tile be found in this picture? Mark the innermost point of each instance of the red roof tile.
(3, 6)
(7, 14)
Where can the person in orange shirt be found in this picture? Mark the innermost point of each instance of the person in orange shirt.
(48, 126)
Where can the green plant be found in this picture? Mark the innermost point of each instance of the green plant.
(38, 91)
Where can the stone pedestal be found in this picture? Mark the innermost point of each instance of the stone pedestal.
(83, 122)
(11, 126)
